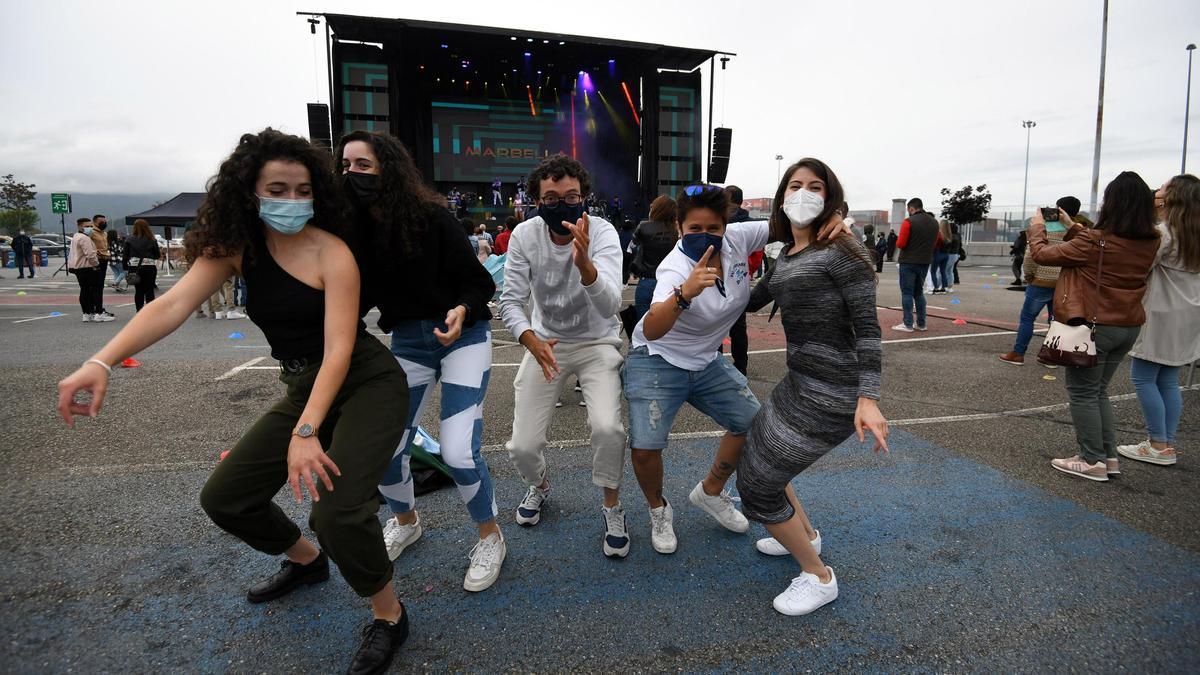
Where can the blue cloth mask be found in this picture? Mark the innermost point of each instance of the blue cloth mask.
(555, 215)
(694, 245)
(285, 216)
(88, 231)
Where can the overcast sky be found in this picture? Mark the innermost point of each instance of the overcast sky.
(900, 98)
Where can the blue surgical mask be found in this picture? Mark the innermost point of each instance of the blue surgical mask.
(285, 216)
(555, 215)
(694, 245)
(88, 231)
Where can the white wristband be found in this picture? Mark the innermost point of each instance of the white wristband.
(99, 363)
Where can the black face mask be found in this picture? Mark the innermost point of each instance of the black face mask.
(555, 215)
(102, 226)
(362, 189)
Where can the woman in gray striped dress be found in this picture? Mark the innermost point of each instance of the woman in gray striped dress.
(826, 291)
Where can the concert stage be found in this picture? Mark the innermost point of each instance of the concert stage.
(479, 105)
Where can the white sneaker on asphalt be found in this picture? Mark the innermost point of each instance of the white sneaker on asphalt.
(616, 536)
(529, 511)
(486, 558)
(234, 314)
(1144, 452)
(102, 318)
(662, 529)
(902, 328)
(87, 318)
(771, 545)
(806, 594)
(398, 537)
(219, 315)
(719, 507)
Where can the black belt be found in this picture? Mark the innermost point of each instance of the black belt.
(297, 365)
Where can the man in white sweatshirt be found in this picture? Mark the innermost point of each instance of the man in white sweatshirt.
(567, 268)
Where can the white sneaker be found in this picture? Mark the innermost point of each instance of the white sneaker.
(949, 289)
(529, 511)
(771, 546)
(102, 318)
(218, 315)
(902, 328)
(87, 318)
(582, 404)
(234, 314)
(920, 328)
(398, 537)
(616, 537)
(486, 558)
(719, 507)
(1144, 452)
(662, 531)
(806, 594)
(558, 404)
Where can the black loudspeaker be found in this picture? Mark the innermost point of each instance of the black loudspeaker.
(318, 125)
(718, 166)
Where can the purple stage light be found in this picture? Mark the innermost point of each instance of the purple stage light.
(527, 55)
(445, 46)
(585, 81)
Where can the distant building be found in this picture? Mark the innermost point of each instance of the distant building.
(870, 217)
(759, 207)
(899, 213)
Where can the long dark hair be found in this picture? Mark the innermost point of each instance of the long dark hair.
(227, 221)
(1128, 209)
(835, 198)
(406, 203)
(1182, 207)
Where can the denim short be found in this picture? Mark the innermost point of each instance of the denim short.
(656, 390)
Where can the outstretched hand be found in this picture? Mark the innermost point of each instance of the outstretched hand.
(89, 377)
(868, 417)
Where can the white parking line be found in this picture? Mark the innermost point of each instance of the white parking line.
(237, 369)
(39, 318)
(1009, 413)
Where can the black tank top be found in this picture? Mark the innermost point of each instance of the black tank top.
(288, 311)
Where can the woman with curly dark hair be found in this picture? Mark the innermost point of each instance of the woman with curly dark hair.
(432, 294)
(268, 217)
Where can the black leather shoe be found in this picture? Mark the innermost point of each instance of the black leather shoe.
(288, 578)
(380, 641)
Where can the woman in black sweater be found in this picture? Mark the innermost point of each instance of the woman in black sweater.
(432, 294)
(141, 249)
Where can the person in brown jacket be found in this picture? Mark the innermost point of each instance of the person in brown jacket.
(1109, 298)
(1039, 285)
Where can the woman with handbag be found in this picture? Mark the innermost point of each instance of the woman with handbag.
(140, 259)
(1171, 337)
(1098, 311)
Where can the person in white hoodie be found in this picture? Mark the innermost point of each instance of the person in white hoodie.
(567, 268)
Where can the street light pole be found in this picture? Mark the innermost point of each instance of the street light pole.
(778, 169)
(1187, 109)
(1029, 125)
(1099, 114)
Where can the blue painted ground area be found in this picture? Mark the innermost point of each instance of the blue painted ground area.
(944, 565)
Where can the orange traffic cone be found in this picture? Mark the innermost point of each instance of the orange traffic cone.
(960, 322)
(131, 363)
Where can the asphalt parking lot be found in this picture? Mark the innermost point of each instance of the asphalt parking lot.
(961, 550)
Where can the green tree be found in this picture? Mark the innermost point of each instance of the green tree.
(16, 198)
(967, 205)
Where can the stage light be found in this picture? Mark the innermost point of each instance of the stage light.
(527, 55)
(632, 107)
(513, 38)
(445, 46)
(421, 67)
(561, 44)
(529, 39)
(532, 109)
(611, 61)
(514, 70)
(545, 42)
